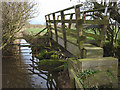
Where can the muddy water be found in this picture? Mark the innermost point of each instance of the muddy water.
(18, 71)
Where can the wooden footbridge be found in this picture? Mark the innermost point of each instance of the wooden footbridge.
(76, 31)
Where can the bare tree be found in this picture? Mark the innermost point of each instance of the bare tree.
(14, 17)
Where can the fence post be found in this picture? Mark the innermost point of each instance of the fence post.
(55, 27)
(63, 28)
(79, 29)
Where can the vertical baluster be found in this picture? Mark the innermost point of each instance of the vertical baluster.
(71, 16)
(55, 27)
(63, 28)
(49, 26)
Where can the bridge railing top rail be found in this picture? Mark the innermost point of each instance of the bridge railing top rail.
(79, 22)
(79, 5)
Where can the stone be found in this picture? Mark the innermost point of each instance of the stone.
(93, 51)
(108, 67)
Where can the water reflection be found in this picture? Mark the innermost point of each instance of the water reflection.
(21, 71)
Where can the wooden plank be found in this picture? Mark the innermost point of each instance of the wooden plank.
(100, 9)
(63, 28)
(93, 10)
(97, 37)
(65, 21)
(79, 5)
(55, 27)
(97, 21)
(40, 31)
(67, 14)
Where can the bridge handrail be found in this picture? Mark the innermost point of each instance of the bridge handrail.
(79, 5)
(93, 10)
(79, 23)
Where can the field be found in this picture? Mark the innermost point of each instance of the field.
(35, 30)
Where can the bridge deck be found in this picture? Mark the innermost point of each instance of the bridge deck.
(72, 46)
(75, 40)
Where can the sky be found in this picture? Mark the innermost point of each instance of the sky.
(49, 6)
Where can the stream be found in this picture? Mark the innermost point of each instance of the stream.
(18, 71)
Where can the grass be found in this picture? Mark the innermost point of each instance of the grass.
(68, 32)
(35, 30)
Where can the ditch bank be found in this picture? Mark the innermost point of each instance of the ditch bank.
(50, 58)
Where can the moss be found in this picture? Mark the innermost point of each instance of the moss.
(54, 56)
(51, 63)
(44, 54)
(60, 67)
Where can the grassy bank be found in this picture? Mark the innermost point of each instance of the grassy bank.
(35, 30)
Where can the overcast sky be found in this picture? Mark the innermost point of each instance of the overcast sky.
(49, 6)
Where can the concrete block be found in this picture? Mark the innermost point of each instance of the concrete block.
(105, 63)
(93, 51)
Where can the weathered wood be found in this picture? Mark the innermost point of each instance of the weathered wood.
(49, 24)
(40, 31)
(67, 14)
(56, 20)
(103, 32)
(81, 23)
(49, 27)
(97, 21)
(95, 36)
(46, 21)
(71, 16)
(55, 27)
(78, 28)
(79, 5)
(94, 10)
(63, 28)
(65, 21)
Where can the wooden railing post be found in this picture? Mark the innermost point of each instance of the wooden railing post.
(63, 28)
(103, 32)
(55, 27)
(71, 16)
(49, 26)
(79, 29)
(46, 22)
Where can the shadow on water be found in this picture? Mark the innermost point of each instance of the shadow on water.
(20, 71)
